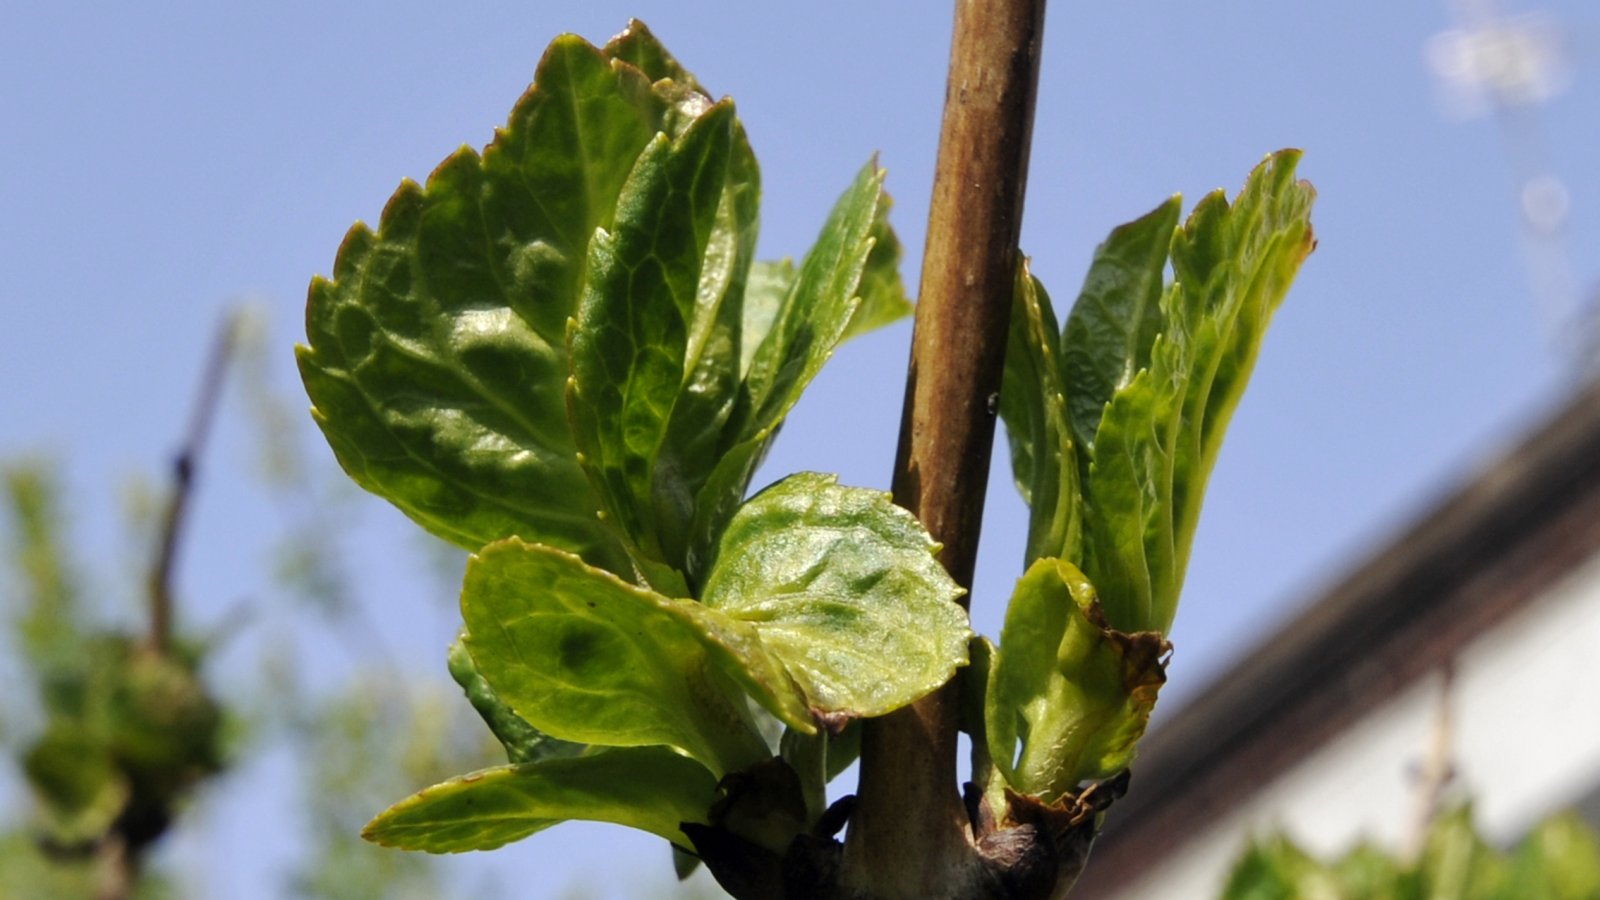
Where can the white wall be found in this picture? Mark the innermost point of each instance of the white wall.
(1526, 742)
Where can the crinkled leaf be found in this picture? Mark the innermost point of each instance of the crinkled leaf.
(1043, 455)
(650, 309)
(436, 357)
(523, 742)
(1073, 693)
(649, 788)
(584, 656)
(1159, 436)
(845, 588)
(1115, 320)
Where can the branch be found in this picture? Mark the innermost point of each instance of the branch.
(1437, 771)
(183, 470)
(910, 836)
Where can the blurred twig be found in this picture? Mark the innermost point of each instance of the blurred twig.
(1437, 771)
(183, 474)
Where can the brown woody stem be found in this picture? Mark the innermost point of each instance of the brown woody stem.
(910, 836)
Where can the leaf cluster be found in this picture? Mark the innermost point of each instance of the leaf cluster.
(561, 353)
(1115, 420)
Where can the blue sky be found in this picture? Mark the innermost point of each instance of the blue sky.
(162, 163)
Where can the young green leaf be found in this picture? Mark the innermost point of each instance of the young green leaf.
(818, 759)
(638, 47)
(1114, 323)
(436, 355)
(1044, 460)
(791, 322)
(1074, 693)
(49, 634)
(523, 742)
(1159, 436)
(657, 280)
(764, 293)
(649, 788)
(1233, 268)
(816, 312)
(845, 588)
(1149, 379)
(621, 196)
(883, 294)
(584, 656)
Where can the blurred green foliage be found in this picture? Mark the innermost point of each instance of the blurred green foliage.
(1559, 860)
(128, 728)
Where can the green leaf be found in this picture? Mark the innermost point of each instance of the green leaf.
(523, 742)
(790, 324)
(814, 314)
(584, 656)
(720, 498)
(436, 357)
(818, 759)
(649, 788)
(1159, 436)
(764, 293)
(1075, 694)
(845, 588)
(656, 285)
(1233, 268)
(1115, 320)
(638, 47)
(1113, 437)
(1043, 455)
(883, 294)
